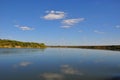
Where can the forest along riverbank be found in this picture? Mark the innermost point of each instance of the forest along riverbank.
(103, 47)
(4, 43)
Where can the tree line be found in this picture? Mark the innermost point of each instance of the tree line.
(104, 47)
(5, 43)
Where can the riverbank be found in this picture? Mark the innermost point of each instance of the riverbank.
(4, 43)
(103, 47)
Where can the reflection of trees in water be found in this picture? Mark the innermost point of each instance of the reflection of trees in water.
(114, 78)
(9, 51)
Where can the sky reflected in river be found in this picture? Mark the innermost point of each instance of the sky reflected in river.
(59, 64)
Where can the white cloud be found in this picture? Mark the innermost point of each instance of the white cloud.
(99, 32)
(53, 15)
(72, 21)
(118, 26)
(24, 28)
(66, 26)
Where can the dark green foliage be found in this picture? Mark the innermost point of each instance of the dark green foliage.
(104, 47)
(4, 43)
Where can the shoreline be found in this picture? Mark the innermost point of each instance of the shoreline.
(111, 47)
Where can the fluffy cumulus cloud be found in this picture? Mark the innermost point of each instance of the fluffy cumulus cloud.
(54, 15)
(66, 23)
(72, 21)
(24, 28)
(99, 32)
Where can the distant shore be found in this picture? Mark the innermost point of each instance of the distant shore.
(4, 43)
(103, 47)
(113, 47)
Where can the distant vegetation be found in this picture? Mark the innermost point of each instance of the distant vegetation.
(4, 43)
(104, 47)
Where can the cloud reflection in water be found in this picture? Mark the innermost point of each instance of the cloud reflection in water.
(52, 76)
(64, 70)
(22, 64)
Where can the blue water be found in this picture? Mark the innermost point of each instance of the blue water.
(59, 64)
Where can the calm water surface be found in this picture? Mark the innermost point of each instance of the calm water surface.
(59, 64)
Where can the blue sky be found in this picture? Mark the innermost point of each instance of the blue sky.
(61, 22)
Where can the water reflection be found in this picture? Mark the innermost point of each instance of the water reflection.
(11, 51)
(22, 64)
(59, 64)
(66, 69)
(114, 78)
(52, 76)
(66, 72)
